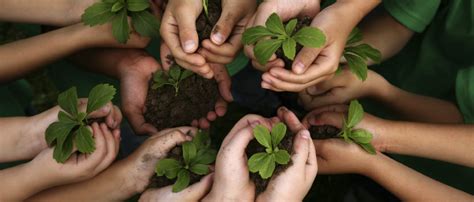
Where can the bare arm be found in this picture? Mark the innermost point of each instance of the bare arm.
(47, 12)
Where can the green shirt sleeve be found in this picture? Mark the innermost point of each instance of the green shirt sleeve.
(414, 14)
(238, 64)
(465, 93)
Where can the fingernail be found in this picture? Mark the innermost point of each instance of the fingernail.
(265, 85)
(284, 109)
(305, 134)
(299, 68)
(312, 90)
(106, 108)
(217, 38)
(189, 46)
(267, 80)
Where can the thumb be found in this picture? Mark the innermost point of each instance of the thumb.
(304, 59)
(187, 29)
(104, 111)
(224, 27)
(198, 190)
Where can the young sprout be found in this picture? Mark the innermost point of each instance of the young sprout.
(358, 136)
(71, 128)
(197, 156)
(205, 4)
(264, 162)
(173, 78)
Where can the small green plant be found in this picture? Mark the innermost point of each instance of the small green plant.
(269, 38)
(357, 54)
(205, 4)
(71, 128)
(117, 12)
(264, 162)
(173, 78)
(197, 156)
(358, 136)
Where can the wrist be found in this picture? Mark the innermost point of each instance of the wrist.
(225, 196)
(76, 9)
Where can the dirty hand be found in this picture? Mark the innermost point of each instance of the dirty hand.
(334, 115)
(194, 192)
(178, 30)
(294, 183)
(342, 88)
(225, 40)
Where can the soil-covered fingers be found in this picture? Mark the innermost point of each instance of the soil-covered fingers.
(301, 149)
(164, 143)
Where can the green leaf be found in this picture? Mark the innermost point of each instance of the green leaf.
(201, 140)
(262, 135)
(275, 25)
(81, 116)
(168, 167)
(57, 130)
(368, 148)
(205, 156)
(157, 85)
(145, 24)
(290, 27)
(175, 72)
(117, 6)
(255, 161)
(282, 157)
(185, 74)
(289, 48)
(200, 169)
(365, 51)
(264, 49)
(68, 101)
(182, 182)
(66, 118)
(310, 37)
(98, 14)
(278, 133)
(254, 34)
(158, 75)
(189, 152)
(84, 141)
(120, 28)
(63, 151)
(354, 37)
(357, 65)
(361, 136)
(205, 3)
(137, 5)
(356, 113)
(268, 166)
(99, 96)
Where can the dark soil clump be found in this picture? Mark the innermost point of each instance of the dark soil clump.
(324, 132)
(255, 147)
(306, 21)
(158, 182)
(196, 97)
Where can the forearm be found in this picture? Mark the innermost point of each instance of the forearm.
(413, 107)
(409, 185)
(107, 186)
(383, 32)
(24, 56)
(47, 12)
(451, 143)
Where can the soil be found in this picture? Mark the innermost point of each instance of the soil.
(158, 182)
(324, 132)
(196, 97)
(255, 147)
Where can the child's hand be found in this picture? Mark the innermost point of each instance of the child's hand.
(78, 167)
(294, 183)
(225, 41)
(178, 29)
(334, 115)
(343, 88)
(194, 192)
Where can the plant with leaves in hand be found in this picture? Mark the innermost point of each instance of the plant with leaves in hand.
(264, 162)
(197, 156)
(358, 136)
(175, 75)
(269, 38)
(357, 54)
(71, 128)
(117, 12)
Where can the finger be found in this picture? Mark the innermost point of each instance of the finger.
(211, 116)
(326, 85)
(235, 149)
(267, 86)
(225, 25)
(110, 119)
(215, 58)
(186, 22)
(228, 49)
(100, 144)
(203, 70)
(183, 129)
(168, 141)
(137, 120)
(301, 149)
(311, 163)
(221, 107)
(102, 112)
(198, 190)
(224, 82)
(304, 59)
(277, 63)
(111, 148)
(263, 12)
(290, 119)
(282, 85)
(204, 123)
(195, 123)
(166, 57)
(251, 120)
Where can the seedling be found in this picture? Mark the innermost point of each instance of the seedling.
(173, 78)
(71, 128)
(357, 54)
(358, 136)
(205, 4)
(117, 12)
(197, 156)
(264, 162)
(269, 38)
